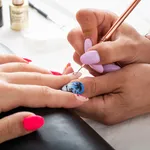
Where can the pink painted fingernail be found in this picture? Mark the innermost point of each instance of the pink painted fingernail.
(90, 58)
(98, 68)
(81, 98)
(111, 68)
(87, 44)
(32, 123)
(55, 73)
(28, 60)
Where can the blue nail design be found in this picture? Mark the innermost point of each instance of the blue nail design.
(74, 87)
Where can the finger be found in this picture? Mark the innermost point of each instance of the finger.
(36, 96)
(52, 81)
(11, 58)
(109, 52)
(68, 70)
(19, 124)
(95, 23)
(94, 86)
(76, 39)
(22, 67)
(42, 96)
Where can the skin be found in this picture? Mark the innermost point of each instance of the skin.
(126, 45)
(114, 97)
(22, 84)
(120, 95)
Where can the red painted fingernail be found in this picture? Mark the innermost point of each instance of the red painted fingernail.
(55, 73)
(32, 123)
(28, 60)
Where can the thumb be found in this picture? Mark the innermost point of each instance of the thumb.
(19, 124)
(95, 86)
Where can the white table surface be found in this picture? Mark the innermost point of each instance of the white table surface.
(47, 46)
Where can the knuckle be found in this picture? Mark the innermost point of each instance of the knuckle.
(38, 77)
(45, 90)
(8, 127)
(106, 54)
(48, 97)
(13, 129)
(92, 88)
(21, 66)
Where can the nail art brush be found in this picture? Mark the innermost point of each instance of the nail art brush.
(117, 24)
(45, 15)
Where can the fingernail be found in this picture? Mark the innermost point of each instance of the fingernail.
(147, 36)
(81, 98)
(87, 44)
(111, 68)
(32, 123)
(28, 60)
(98, 68)
(55, 73)
(75, 75)
(90, 57)
(74, 87)
(68, 65)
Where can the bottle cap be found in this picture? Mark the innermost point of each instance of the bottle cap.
(18, 2)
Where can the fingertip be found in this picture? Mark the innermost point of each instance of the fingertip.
(81, 14)
(68, 70)
(87, 20)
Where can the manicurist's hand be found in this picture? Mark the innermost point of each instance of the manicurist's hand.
(125, 46)
(22, 84)
(116, 96)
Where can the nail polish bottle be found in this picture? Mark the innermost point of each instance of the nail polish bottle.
(1, 14)
(19, 14)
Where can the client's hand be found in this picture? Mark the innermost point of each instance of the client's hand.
(125, 46)
(22, 84)
(117, 96)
